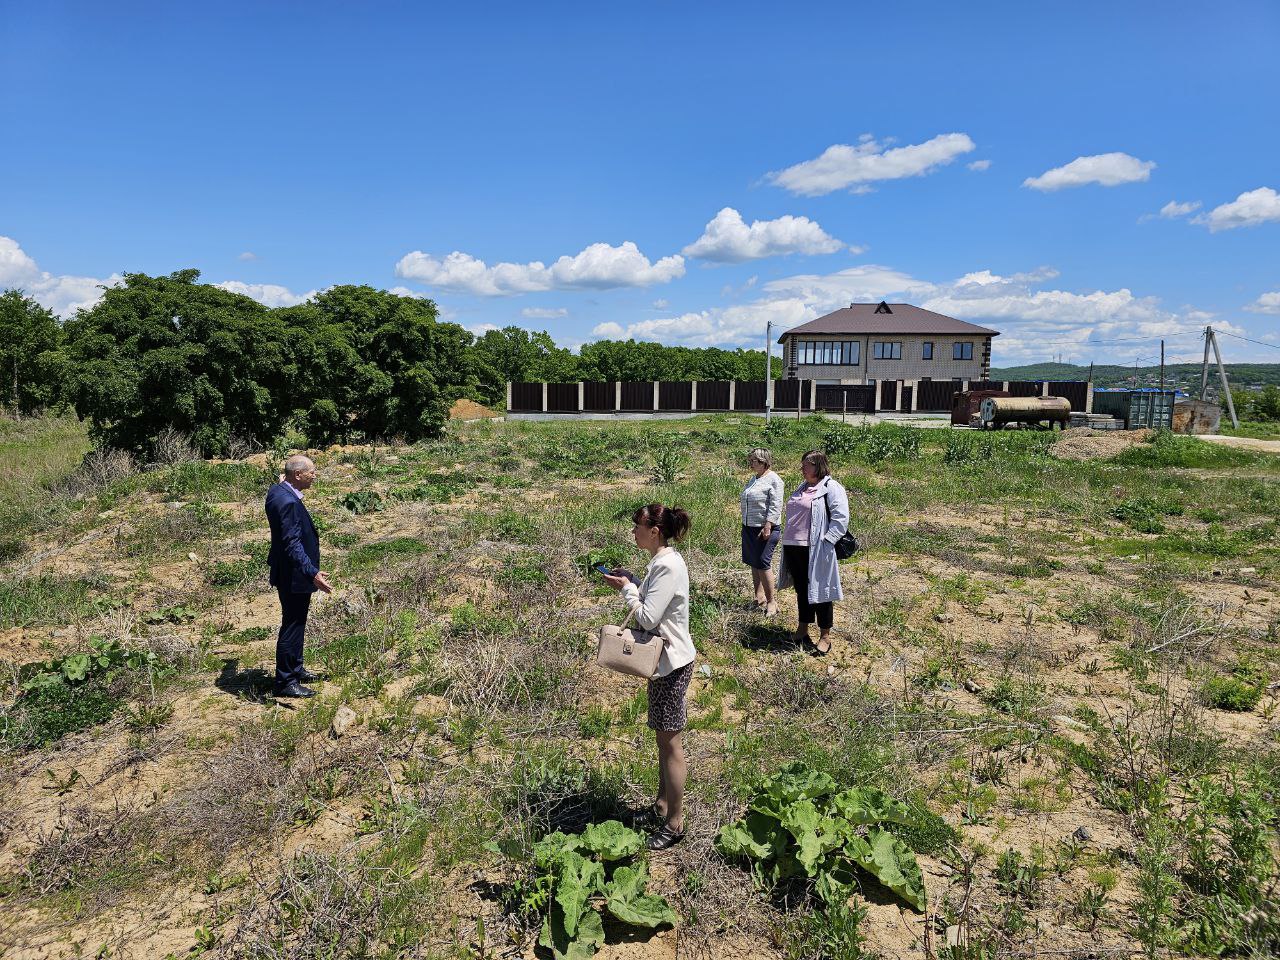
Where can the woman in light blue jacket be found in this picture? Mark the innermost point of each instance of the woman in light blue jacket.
(817, 515)
(762, 525)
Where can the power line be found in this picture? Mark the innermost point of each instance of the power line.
(1247, 340)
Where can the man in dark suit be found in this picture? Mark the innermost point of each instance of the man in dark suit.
(294, 560)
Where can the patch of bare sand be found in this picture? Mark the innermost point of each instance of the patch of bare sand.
(1084, 443)
(465, 409)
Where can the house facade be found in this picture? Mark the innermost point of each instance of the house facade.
(869, 343)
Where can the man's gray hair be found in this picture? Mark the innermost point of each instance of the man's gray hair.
(761, 455)
(296, 464)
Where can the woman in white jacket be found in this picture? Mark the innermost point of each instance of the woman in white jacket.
(660, 603)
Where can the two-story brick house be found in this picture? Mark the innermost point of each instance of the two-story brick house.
(869, 343)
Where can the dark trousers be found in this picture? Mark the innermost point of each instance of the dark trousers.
(293, 630)
(797, 562)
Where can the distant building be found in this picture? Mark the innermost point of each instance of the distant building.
(869, 343)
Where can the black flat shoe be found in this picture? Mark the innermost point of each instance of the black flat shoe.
(308, 677)
(663, 838)
(295, 690)
(818, 651)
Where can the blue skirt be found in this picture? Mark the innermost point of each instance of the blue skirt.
(758, 553)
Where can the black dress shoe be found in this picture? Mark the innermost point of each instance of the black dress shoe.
(294, 690)
(308, 677)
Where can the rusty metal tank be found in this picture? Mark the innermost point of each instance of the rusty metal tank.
(997, 411)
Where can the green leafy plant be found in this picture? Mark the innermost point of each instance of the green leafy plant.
(576, 876)
(361, 501)
(799, 826)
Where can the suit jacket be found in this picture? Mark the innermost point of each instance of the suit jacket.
(294, 557)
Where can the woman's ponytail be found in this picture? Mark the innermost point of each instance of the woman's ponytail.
(672, 521)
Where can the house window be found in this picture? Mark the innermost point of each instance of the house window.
(962, 351)
(928, 350)
(887, 351)
(827, 352)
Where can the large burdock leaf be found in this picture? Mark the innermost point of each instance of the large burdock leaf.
(814, 834)
(891, 862)
(792, 783)
(625, 899)
(548, 850)
(867, 805)
(579, 878)
(583, 946)
(611, 840)
(756, 836)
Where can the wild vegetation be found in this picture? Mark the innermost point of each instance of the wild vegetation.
(1049, 723)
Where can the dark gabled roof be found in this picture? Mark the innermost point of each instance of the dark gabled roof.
(899, 318)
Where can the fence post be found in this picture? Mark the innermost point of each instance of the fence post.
(1088, 397)
(655, 396)
(617, 395)
(915, 395)
(693, 395)
(1044, 388)
(897, 400)
(544, 396)
(732, 392)
(581, 390)
(813, 395)
(1004, 385)
(508, 396)
(964, 384)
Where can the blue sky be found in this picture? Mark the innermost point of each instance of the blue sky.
(1080, 177)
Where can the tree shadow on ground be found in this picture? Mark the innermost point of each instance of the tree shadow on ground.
(253, 685)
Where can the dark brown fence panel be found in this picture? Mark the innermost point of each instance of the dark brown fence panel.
(747, 395)
(888, 394)
(992, 385)
(786, 394)
(806, 395)
(713, 395)
(1024, 388)
(599, 397)
(562, 398)
(935, 396)
(1076, 391)
(675, 395)
(906, 397)
(846, 398)
(637, 396)
(526, 398)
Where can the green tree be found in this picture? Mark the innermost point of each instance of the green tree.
(32, 366)
(515, 355)
(381, 364)
(1265, 404)
(162, 352)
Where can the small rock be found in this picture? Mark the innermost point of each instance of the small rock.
(193, 558)
(956, 936)
(831, 670)
(943, 617)
(1082, 834)
(106, 514)
(1072, 723)
(973, 686)
(704, 670)
(342, 720)
(1247, 570)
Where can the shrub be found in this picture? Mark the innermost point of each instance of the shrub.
(1230, 693)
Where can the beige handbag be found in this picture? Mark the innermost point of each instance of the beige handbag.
(633, 652)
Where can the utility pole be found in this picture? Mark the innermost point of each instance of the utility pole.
(1204, 368)
(768, 373)
(1222, 375)
(1162, 366)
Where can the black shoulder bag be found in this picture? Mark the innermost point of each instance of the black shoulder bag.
(848, 544)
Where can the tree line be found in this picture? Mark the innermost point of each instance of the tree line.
(170, 353)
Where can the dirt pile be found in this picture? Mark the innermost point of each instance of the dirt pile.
(470, 410)
(1085, 443)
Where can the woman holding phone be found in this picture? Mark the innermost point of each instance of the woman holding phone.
(660, 604)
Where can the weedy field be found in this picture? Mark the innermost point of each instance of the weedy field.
(1048, 727)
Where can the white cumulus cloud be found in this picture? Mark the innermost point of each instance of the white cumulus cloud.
(599, 266)
(247, 255)
(1267, 303)
(979, 165)
(842, 166)
(728, 239)
(544, 313)
(64, 294)
(1173, 209)
(268, 294)
(1250, 209)
(1107, 169)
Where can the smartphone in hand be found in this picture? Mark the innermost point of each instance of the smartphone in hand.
(602, 569)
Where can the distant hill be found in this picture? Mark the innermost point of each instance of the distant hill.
(1184, 375)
